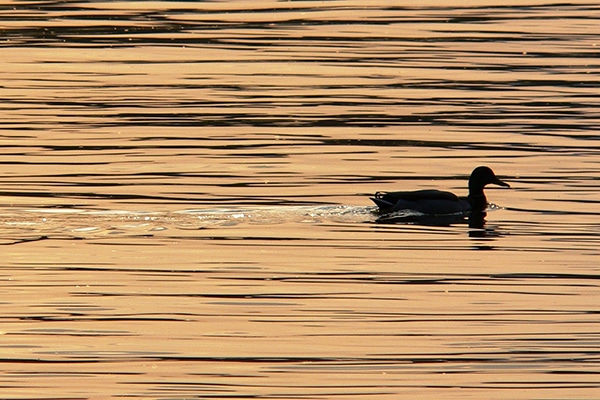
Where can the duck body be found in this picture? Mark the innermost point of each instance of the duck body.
(437, 202)
(430, 202)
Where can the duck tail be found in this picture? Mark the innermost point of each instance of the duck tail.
(379, 200)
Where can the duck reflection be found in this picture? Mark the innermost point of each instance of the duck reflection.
(475, 220)
(477, 228)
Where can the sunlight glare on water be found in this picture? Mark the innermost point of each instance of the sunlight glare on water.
(186, 214)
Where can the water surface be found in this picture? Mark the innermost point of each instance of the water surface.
(185, 207)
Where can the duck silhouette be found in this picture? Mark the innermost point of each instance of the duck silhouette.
(437, 202)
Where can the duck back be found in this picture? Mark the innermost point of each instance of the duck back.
(434, 202)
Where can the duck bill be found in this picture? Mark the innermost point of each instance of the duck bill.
(501, 183)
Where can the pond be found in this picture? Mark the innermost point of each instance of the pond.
(186, 214)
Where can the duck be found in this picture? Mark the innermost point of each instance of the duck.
(438, 202)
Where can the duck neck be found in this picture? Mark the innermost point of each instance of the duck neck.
(477, 198)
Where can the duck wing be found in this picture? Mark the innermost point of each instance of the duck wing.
(391, 198)
(427, 201)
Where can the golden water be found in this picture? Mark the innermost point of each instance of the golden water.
(185, 207)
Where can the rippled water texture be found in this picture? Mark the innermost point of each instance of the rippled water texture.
(185, 200)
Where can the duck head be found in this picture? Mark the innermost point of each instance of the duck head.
(480, 177)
